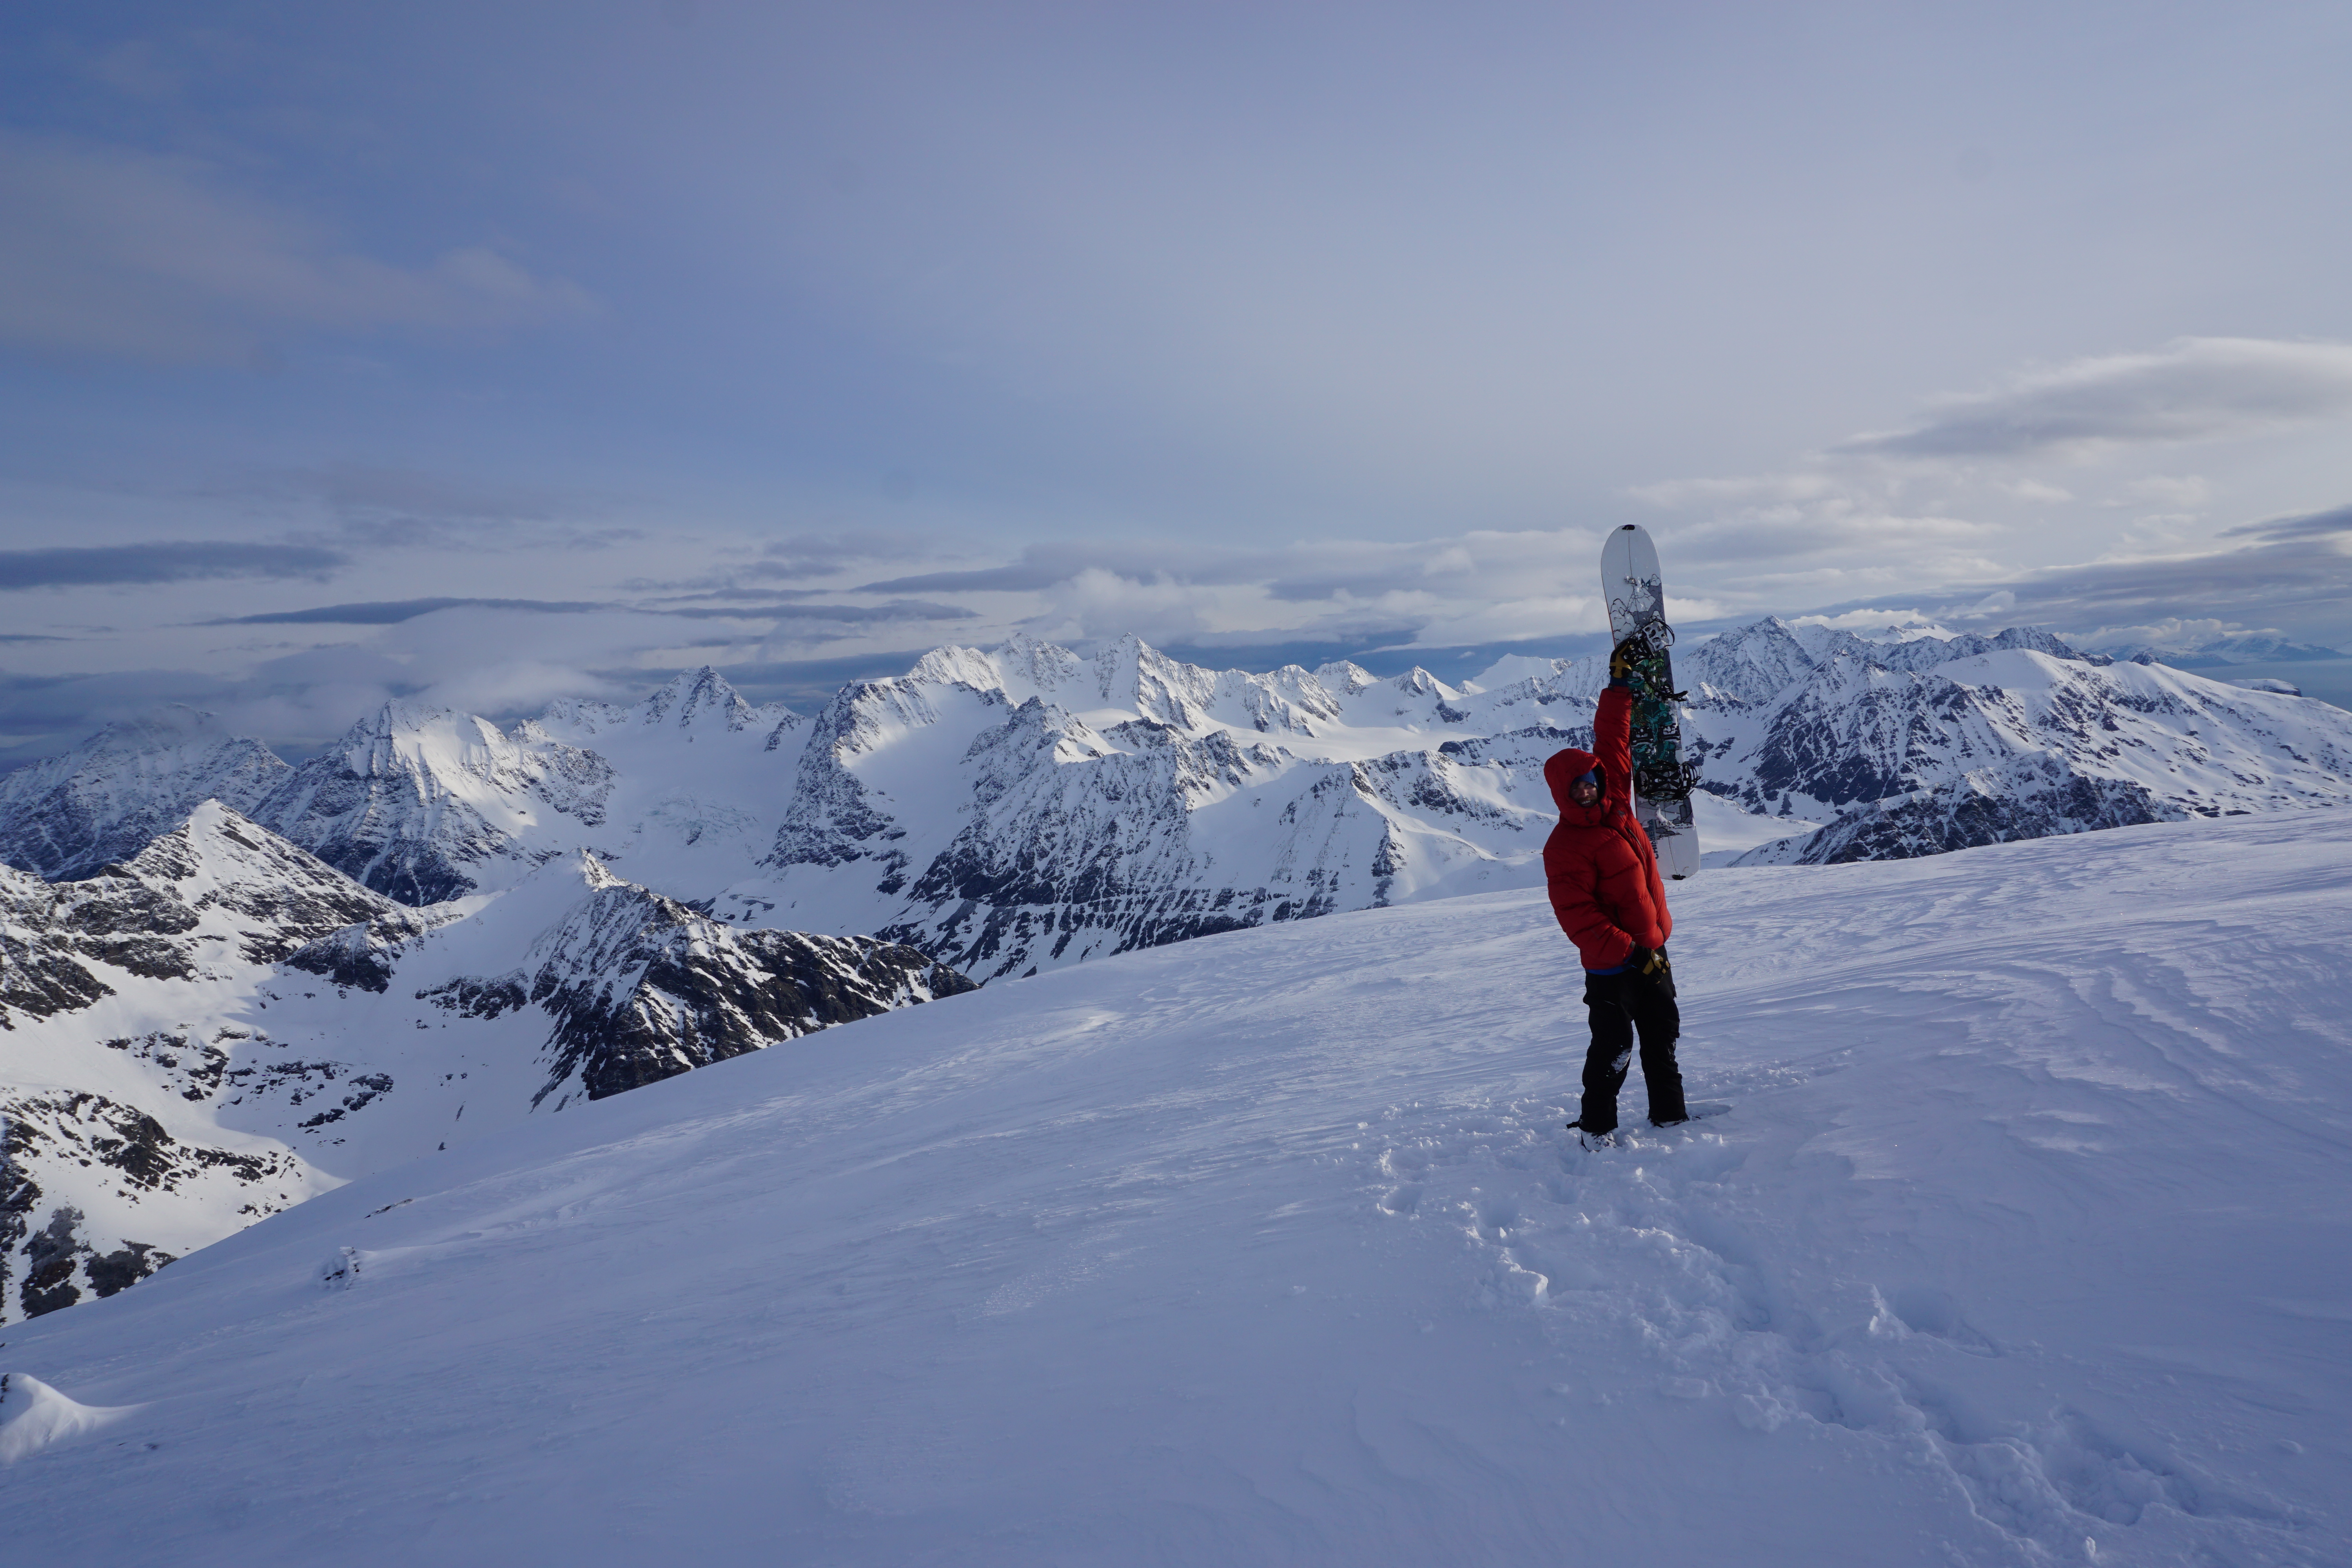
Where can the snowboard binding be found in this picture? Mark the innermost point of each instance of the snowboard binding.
(1641, 661)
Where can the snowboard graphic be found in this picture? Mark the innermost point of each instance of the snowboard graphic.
(1636, 596)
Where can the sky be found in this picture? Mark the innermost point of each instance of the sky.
(495, 352)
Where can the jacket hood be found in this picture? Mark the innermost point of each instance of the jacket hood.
(1563, 769)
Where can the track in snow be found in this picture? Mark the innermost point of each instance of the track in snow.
(2025, 1243)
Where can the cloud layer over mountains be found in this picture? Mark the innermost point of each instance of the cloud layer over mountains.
(345, 355)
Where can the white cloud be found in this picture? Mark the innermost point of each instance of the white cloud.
(114, 251)
(2193, 389)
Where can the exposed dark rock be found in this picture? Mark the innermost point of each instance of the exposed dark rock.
(19, 1192)
(198, 1068)
(377, 806)
(1966, 815)
(47, 1139)
(120, 1270)
(362, 955)
(472, 996)
(642, 988)
(40, 977)
(49, 1260)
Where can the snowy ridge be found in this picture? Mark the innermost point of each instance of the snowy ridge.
(1016, 808)
(1924, 746)
(427, 803)
(1010, 810)
(2221, 652)
(111, 1160)
(224, 1025)
(642, 988)
(108, 796)
(2021, 1244)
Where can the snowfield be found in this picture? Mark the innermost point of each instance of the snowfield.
(2026, 1240)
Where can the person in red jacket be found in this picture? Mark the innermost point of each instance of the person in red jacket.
(1605, 888)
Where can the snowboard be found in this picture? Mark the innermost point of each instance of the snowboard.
(1634, 592)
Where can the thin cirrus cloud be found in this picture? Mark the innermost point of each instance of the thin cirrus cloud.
(1322, 569)
(392, 611)
(396, 612)
(174, 561)
(2292, 575)
(2328, 524)
(2192, 389)
(116, 252)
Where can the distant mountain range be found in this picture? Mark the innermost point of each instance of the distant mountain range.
(227, 981)
(2222, 652)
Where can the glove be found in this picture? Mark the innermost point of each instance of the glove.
(1621, 660)
(1648, 961)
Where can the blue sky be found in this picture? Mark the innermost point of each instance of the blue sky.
(575, 343)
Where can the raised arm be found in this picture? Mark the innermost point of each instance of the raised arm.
(1613, 743)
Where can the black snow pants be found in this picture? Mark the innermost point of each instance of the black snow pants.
(1620, 1004)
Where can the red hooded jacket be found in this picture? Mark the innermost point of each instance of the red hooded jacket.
(1603, 872)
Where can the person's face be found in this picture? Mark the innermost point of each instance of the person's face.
(1584, 791)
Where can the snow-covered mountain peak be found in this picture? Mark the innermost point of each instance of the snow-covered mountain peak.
(217, 846)
(594, 873)
(425, 804)
(160, 729)
(1755, 663)
(1511, 670)
(406, 736)
(1345, 677)
(1752, 663)
(698, 698)
(71, 814)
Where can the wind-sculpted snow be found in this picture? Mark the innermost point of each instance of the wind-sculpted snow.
(2021, 1243)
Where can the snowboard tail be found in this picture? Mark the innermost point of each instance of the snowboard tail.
(1663, 779)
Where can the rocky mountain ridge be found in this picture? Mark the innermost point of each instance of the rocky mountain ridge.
(1924, 746)
(220, 1021)
(1013, 808)
(222, 1024)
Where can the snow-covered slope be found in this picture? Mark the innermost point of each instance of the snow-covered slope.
(108, 796)
(224, 1024)
(122, 998)
(2022, 1243)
